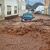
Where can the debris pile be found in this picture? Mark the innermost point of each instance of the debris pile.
(35, 29)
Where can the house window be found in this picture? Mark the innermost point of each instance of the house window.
(8, 10)
(15, 9)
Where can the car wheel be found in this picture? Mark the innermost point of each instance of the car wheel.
(22, 20)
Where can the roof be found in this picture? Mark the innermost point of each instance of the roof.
(39, 8)
(36, 5)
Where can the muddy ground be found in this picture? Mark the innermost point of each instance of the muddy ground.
(25, 35)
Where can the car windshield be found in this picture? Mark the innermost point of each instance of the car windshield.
(28, 13)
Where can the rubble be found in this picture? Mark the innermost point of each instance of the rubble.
(25, 35)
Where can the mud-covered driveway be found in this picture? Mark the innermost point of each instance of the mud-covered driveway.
(25, 35)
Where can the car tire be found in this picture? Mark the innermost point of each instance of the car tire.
(22, 20)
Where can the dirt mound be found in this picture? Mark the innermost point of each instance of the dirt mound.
(20, 28)
(37, 31)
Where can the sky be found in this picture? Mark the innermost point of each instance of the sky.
(31, 2)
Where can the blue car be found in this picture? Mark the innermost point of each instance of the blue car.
(27, 16)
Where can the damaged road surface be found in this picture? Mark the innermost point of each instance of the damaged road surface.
(25, 35)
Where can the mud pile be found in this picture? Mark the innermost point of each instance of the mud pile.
(37, 29)
(21, 28)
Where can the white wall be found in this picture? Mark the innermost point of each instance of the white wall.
(2, 10)
(12, 3)
(22, 7)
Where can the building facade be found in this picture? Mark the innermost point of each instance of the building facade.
(21, 7)
(47, 7)
(1, 10)
(8, 8)
(11, 8)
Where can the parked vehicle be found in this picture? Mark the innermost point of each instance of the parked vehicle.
(27, 16)
(39, 10)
